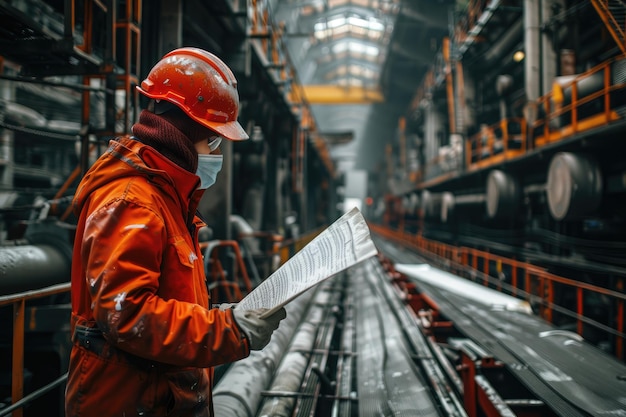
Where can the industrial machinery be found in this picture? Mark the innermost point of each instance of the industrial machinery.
(510, 152)
(503, 168)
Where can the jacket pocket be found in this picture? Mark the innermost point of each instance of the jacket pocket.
(186, 255)
(190, 393)
(93, 387)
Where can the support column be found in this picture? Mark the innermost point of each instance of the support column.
(532, 46)
(548, 54)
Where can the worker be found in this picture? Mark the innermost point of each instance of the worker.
(144, 338)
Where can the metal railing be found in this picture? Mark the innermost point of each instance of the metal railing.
(586, 101)
(526, 281)
(18, 301)
(496, 143)
(613, 14)
(229, 283)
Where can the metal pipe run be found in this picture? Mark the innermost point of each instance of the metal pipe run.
(254, 374)
(293, 366)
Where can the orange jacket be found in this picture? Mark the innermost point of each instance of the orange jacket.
(144, 337)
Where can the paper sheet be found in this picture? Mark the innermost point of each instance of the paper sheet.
(343, 244)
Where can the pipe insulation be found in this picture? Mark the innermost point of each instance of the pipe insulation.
(238, 393)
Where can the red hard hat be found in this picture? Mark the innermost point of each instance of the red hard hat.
(201, 85)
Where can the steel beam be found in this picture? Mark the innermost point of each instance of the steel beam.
(335, 94)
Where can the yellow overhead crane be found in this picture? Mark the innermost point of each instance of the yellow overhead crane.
(337, 94)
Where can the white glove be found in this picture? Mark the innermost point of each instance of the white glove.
(258, 330)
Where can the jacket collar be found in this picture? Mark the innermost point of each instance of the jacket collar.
(137, 158)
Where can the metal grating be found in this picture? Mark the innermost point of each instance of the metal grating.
(613, 14)
(618, 72)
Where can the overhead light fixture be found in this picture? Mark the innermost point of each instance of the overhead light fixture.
(518, 56)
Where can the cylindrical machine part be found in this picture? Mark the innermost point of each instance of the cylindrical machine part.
(574, 186)
(563, 88)
(503, 195)
(29, 267)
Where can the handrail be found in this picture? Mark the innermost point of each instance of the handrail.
(550, 127)
(34, 395)
(239, 279)
(612, 14)
(594, 99)
(496, 140)
(533, 283)
(19, 311)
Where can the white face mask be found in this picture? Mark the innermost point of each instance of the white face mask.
(208, 167)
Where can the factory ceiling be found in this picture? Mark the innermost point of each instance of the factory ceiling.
(361, 62)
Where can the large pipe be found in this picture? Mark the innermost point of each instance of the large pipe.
(504, 44)
(532, 36)
(254, 374)
(293, 366)
(548, 54)
(29, 267)
(441, 206)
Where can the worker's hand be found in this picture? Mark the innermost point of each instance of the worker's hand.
(258, 330)
(226, 306)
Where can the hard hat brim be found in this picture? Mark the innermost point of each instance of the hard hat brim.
(230, 130)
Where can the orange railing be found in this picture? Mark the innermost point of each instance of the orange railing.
(576, 104)
(17, 365)
(231, 283)
(613, 14)
(526, 281)
(581, 103)
(496, 143)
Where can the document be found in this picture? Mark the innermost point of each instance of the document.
(343, 244)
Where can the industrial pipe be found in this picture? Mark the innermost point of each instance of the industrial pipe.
(294, 365)
(254, 374)
(29, 267)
